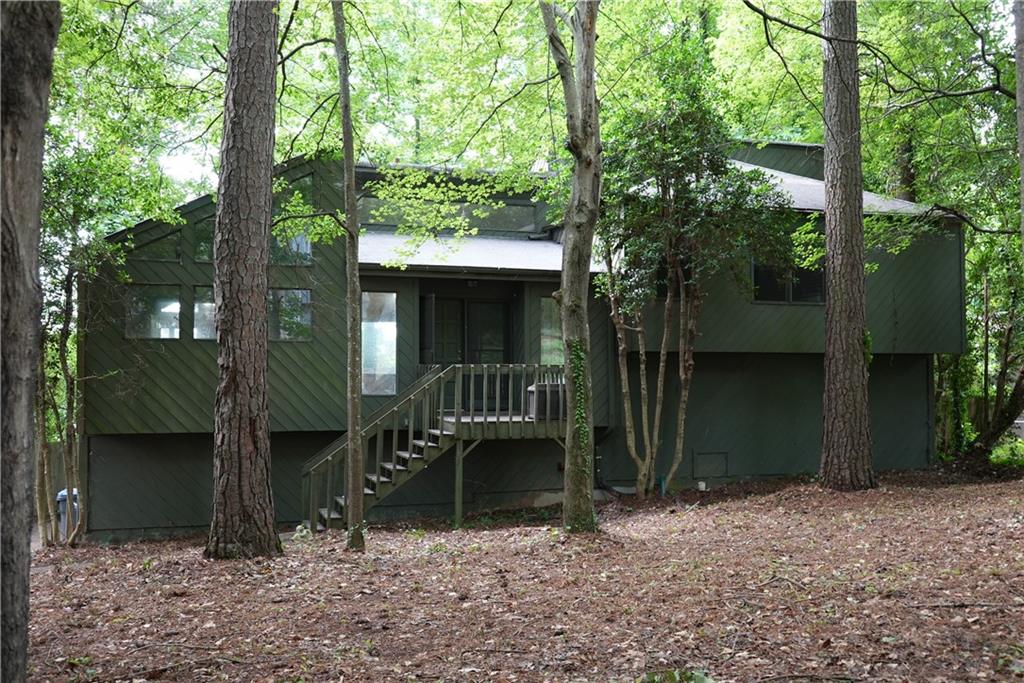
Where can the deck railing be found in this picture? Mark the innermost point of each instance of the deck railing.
(478, 401)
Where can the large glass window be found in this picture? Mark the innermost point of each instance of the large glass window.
(380, 343)
(289, 315)
(801, 285)
(204, 314)
(552, 351)
(152, 311)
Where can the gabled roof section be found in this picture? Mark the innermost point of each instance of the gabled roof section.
(808, 194)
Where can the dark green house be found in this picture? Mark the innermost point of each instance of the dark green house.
(461, 365)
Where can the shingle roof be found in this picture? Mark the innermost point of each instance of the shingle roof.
(808, 194)
(472, 254)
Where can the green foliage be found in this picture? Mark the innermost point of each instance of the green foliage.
(671, 191)
(426, 205)
(1009, 453)
(578, 361)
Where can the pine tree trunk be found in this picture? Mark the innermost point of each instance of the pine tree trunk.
(579, 90)
(1018, 22)
(28, 33)
(243, 507)
(846, 455)
(354, 463)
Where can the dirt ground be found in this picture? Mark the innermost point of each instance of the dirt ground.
(919, 580)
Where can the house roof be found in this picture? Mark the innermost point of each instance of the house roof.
(475, 254)
(808, 194)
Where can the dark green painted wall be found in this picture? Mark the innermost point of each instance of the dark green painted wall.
(914, 299)
(760, 415)
(750, 415)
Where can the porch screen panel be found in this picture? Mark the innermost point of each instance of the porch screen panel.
(380, 343)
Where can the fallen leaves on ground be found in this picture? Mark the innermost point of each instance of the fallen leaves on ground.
(919, 580)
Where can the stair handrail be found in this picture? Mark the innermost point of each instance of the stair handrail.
(426, 381)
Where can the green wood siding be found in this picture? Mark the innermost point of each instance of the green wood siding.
(754, 415)
(915, 305)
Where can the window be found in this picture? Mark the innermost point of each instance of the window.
(296, 250)
(203, 235)
(380, 343)
(552, 352)
(151, 312)
(149, 246)
(801, 285)
(289, 315)
(203, 314)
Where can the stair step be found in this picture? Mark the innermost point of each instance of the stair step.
(424, 444)
(409, 456)
(334, 514)
(394, 467)
(440, 432)
(378, 479)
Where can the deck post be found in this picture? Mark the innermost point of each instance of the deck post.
(458, 482)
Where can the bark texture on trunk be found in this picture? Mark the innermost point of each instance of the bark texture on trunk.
(243, 508)
(28, 33)
(1018, 22)
(846, 454)
(581, 107)
(354, 463)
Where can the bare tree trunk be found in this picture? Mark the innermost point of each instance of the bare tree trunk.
(579, 90)
(622, 356)
(354, 463)
(28, 33)
(979, 449)
(846, 455)
(243, 506)
(1018, 22)
(44, 485)
(689, 310)
(659, 398)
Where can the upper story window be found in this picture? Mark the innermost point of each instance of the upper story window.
(800, 286)
(152, 312)
(147, 246)
(291, 251)
(380, 343)
(552, 351)
(289, 315)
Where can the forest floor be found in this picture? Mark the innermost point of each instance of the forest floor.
(919, 580)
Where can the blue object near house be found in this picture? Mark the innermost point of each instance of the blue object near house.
(62, 509)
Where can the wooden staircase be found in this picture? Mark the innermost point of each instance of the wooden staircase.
(456, 407)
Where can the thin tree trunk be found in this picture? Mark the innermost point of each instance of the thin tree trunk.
(689, 310)
(28, 33)
(583, 126)
(659, 397)
(355, 463)
(622, 357)
(70, 424)
(44, 487)
(243, 506)
(846, 454)
(1018, 22)
(643, 480)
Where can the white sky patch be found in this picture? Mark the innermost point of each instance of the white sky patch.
(189, 166)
